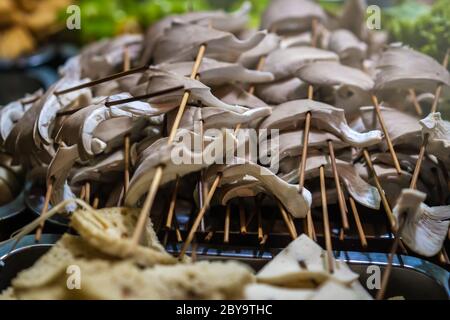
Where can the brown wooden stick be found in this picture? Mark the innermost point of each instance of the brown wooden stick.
(242, 218)
(226, 232)
(87, 186)
(384, 200)
(337, 181)
(259, 67)
(159, 170)
(95, 202)
(82, 192)
(102, 80)
(301, 178)
(264, 240)
(326, 222)
(359, 226)
(416, 103)
(310, 226)
(30, 101)
(387, 271)
(284, 214)
(292, 223)
(386, 134)
(126, 59)
(48, 194)
(142, 97)
(172, 204)
(126, 163)
(259, 219)
(200, 215)
(443, 257)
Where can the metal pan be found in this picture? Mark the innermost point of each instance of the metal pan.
(26, 253)
(13, 216)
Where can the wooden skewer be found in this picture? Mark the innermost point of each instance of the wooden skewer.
(126, 163)
(87, 187)
(386, 134)
(82, 192)
(301, 178)
(292, 223)
(177, 231)
(200, 215)
(226, 232)
(242, 218)
(284, 214)
(337, 181)
(96, 202)
(416, 103)
(209, 236)
(102, 80)
(384, 200)
(202, 191)
(144, 96)
(264, 240)
(30, 101)
(173, 199)
(310, 226)
(387, 271)
(159, 170)
(259, 218)
(44, 209)
(259, 67)
(126, 142)
(126, 59)
(326, 222)
(361, 233)
(443, 257)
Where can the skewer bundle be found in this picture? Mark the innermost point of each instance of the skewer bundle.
(107, 131)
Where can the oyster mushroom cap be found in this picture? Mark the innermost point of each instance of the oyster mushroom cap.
(284, 63)
(53, 104)
(216, 73)
(425, 228)
(155, 80)
(438, 132)
(395, 71)
(296, 203)
(58, 171)
(288, 115)
(220, 20)
(403, 128)
(182, 41)
(291, 15)
(332, 73)
(350, 49)
(282, 91)
(250, 58)
(178, 159)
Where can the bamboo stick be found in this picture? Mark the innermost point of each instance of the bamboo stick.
(326, 222)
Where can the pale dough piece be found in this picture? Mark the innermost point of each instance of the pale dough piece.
(110, 230)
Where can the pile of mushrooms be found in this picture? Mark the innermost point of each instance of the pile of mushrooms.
(304, 66)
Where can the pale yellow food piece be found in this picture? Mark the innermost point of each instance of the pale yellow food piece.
(202, 280)
(8, 294)
(110, 230)
(55, 262)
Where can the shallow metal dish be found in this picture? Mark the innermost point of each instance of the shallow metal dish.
(13, 216)
(411, 277)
